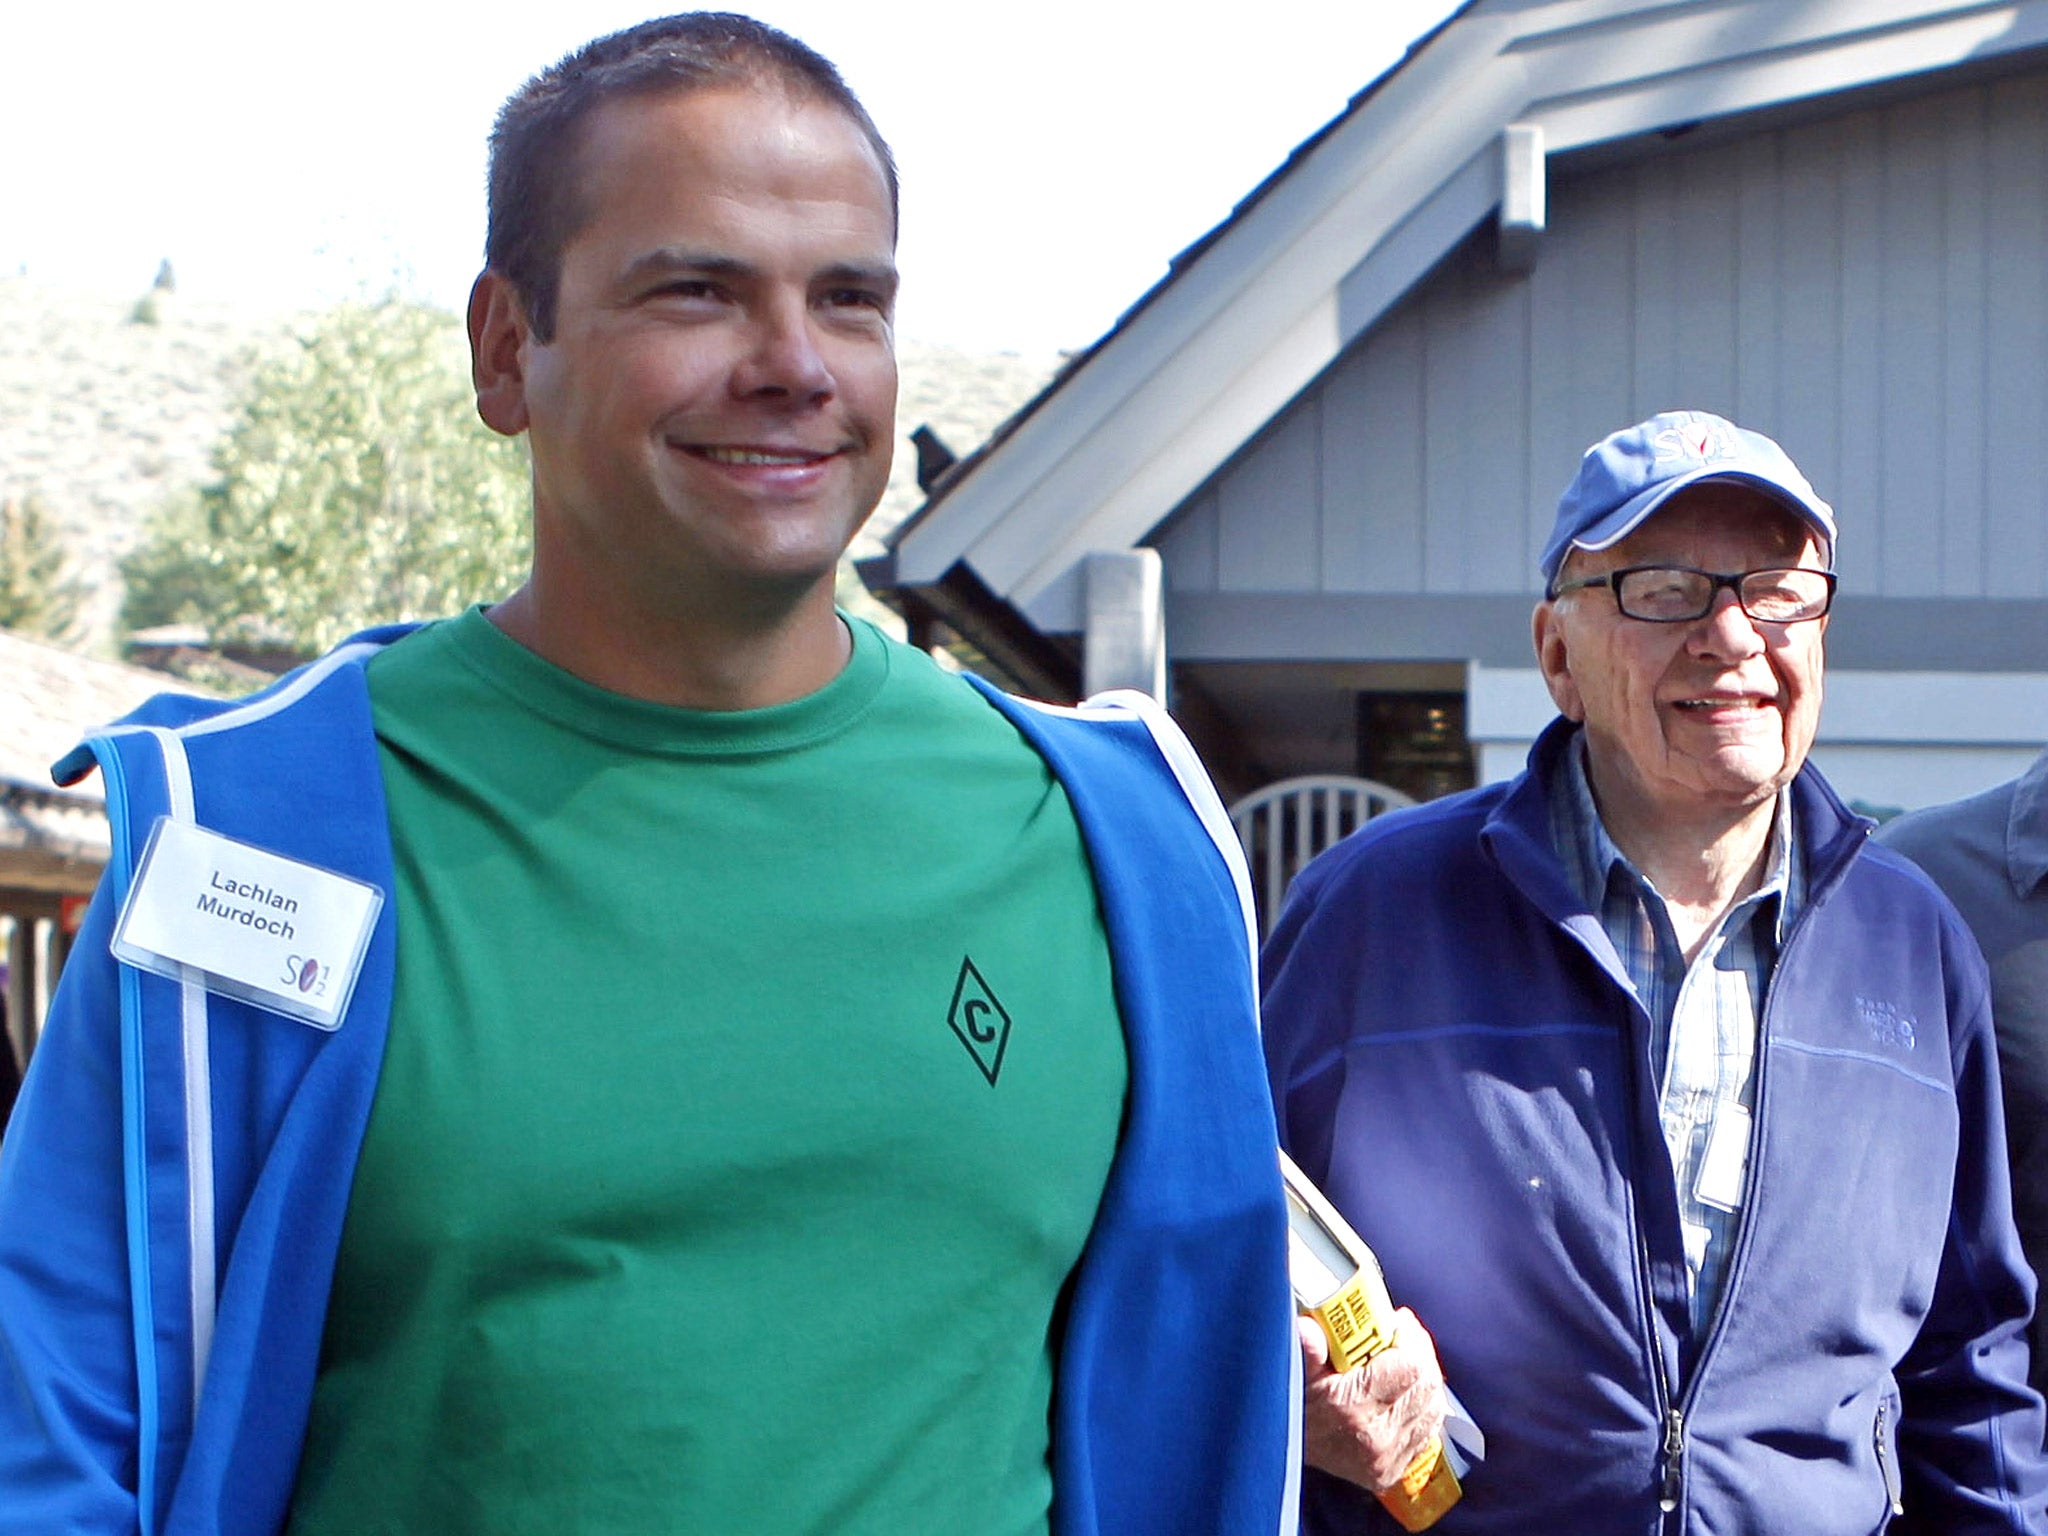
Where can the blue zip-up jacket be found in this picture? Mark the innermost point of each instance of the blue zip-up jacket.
(1457, 1057)
(173, 1185)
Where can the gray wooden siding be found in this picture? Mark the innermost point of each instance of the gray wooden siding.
(1872, 289)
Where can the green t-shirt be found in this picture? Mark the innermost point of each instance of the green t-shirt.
(752, 1083)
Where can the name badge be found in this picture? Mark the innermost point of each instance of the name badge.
(1727, 1156)
(247, 923)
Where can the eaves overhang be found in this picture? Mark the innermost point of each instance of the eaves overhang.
(1021, 656)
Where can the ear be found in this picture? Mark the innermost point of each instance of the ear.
(498, 333)
(1553, 659)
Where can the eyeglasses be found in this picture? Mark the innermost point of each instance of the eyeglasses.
(1679, 594)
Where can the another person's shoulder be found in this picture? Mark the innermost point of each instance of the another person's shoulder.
(1932, 836)
(1987, 853)
(1907, 886)
(1991, 845)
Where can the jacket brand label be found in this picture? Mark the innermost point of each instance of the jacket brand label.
(1886, 1023)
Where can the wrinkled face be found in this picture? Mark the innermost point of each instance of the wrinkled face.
(716, 408)
(1686, 719)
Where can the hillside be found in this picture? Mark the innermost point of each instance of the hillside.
(102, 418)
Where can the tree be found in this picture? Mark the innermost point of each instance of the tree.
(38, 595)
(355, 486)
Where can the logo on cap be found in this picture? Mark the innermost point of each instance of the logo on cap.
(1699, 441)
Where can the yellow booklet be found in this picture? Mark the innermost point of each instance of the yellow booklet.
(1337, 1281)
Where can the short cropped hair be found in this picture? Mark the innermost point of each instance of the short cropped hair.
(535, 209)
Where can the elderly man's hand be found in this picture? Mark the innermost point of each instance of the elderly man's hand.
(1368, 1424)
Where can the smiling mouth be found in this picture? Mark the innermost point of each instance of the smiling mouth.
(1746, 702)
(773, 457)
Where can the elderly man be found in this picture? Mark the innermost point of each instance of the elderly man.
(655, 1055)
(1670, 1107)
(1989, 855)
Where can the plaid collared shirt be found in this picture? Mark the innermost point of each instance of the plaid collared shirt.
(1703, 1017)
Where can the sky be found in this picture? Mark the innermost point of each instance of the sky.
(1054, 156)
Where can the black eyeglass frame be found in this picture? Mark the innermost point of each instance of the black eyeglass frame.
(1717, 581)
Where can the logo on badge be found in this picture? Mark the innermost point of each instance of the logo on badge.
(309, 976)
(980, 1020)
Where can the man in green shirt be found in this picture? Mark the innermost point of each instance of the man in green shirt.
(649, 1090)
(788, 1089)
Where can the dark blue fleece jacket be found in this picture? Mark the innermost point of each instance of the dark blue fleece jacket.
(1457, 1057)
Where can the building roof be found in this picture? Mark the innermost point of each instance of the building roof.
(53, 698)
(1320, 251)
(50, 698)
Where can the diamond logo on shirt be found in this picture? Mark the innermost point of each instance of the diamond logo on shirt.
(980, 1020)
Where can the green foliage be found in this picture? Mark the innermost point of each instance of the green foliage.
(356, 486)
(38, 596)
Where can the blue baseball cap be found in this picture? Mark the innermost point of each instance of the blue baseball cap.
(1626, 477)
